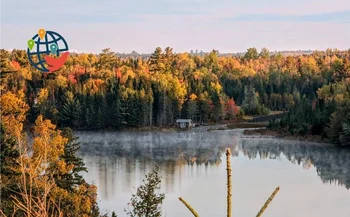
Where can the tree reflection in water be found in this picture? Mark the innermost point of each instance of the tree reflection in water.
(141, 150)
(332, 163)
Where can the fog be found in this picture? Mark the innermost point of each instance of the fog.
(190, 163)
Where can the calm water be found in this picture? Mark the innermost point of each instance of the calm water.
(314, 178)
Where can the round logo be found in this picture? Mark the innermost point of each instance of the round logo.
(47, 51)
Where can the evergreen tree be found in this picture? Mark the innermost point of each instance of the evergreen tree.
(77, 114)
(90, 117)
(345, 135)
(9, 153)
(67, 110)
(147, 201)
(99, 119)
(192, 107)
(8, 157)
(73, 178)
(264, 53)
(251, 53)
(156, 61)
(250, 102)
(218, 108)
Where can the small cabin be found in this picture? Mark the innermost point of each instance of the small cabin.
(184, 123)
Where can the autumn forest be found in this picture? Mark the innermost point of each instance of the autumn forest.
(110, 91)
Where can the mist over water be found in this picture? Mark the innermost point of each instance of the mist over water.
(314, 178)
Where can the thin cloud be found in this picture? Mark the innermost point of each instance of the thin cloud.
(229, 26)
(336, 17)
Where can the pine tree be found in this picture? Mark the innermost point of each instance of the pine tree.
(8, 158)
(192, 107)
(156, 61)
(9, 153)
(101, 105)
(218, 109)
(345, 135)
(147, 201)
(251, 53)
(250, 102)
(66, 112)
(99, 119)
(90, 117)
(76, 114)
(74, 178)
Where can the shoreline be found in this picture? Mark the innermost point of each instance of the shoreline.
(250, 130)
(265, 133)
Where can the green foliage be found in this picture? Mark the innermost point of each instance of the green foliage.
(147, 201)
(111, 90)
(73, 178)
(250, 102)
(8, 153)
(71, 112)
(264, 53)
(9, 164)
(251, 53)
(338, 128)
(344, 136)
(251, 105)
(192, 109)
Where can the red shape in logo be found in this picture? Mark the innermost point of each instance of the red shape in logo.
(56, 63)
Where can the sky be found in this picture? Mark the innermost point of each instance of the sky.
(142, 25)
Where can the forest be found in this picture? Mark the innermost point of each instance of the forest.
(101, 91)
(40, 172)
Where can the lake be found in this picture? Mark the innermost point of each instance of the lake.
(314, 178)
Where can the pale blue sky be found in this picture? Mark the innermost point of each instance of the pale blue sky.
(142, 25)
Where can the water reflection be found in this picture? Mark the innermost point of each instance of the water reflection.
(170, 150)
(332, 164)
(192, 161)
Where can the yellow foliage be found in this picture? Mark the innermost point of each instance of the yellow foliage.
(193, 96)
(248, 72)
(13, 113)
(336, 91)
(43, 95)
(60, 81)
(48, 143)
(39, 195)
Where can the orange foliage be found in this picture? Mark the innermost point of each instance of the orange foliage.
(72, 79)
(13, 113)
(15, 65)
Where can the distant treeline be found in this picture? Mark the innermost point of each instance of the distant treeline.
(98, 91)
(135, 54)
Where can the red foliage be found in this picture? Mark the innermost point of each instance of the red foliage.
(78, 70)
(231, 108)
(72, 79)
(118, 73)
(15, 65)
